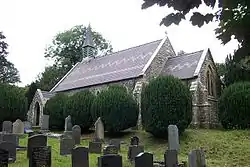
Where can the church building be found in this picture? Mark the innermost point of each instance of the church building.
(133, 68)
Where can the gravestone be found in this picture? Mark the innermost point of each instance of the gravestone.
(68, 124)
(99, 130)
(171, 158)
(45, 122)
(4, 158)
(134, 140)
(95, 147)
(40, 157)
(144, 160)
(11, 148)
(18, 127)
(66, 145)
(110, 161)
(38, 140)
(12, 138)
(76, 133)
(173, 138)
(7, 127)
(80, 157)
(134, 150)
(110, 149)
(27, 125)
(196, 158)
(116, 142)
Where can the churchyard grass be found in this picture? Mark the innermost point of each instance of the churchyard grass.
(222, 148)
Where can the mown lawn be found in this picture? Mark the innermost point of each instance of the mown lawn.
(222, 148)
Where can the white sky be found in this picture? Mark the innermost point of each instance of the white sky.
(30, 25)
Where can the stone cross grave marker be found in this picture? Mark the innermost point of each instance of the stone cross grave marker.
(11, 148)
(134, 141)
(134, 150)
(144, 160)
(66, 145)
(4, 158)
(36, 141)
(110, 149)
(7, 127)
(95, 147)
(80, 157)
(171, 158)
(76, 132)
(116, 142)
(196, 158)
(68, 124)
(18, 127)
(110, 160)
(99, 130)
(41, 157)
(173, 138)
(45, 122)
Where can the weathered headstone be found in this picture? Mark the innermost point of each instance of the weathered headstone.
(134, 150)
(76, 133)
(171, 158)
(80, 157)
(18, 127)
(173, 138)
(116, 142)
(68, 124)
(11, 148)
(110, 161)
(7, 127)
(38, 140)
(66, 145)
(144, 160)
(95, 147)
(134, 140)
(12, 138)
(99, 130)
(196, 158)
(45, 122)
(110, 149)
(4, 158)
(40, 157)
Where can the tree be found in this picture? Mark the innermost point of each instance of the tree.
(31, 92)
(8, 72)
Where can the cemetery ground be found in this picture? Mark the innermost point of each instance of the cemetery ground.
(222, 148)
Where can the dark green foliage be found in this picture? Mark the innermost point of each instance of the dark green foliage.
(56, 109)
(31, 92)
(234, 105)
(165, 101)
(79, 106)
(117, 109)
(13, 103)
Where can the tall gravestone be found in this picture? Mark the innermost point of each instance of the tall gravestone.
(38, 140)
(110, 161)
(99, 130)
(173, 138)
(144, 160)
(66, 145)
(7, 127)
(40, 157)
(45, 122)
(18, 127)
(196, 158)
(80, 157)
(11, 148)
(171, 158)
(76, 132)
(4, 158)
(68, 127)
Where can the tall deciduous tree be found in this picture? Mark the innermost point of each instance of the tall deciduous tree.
(31, 92)
(8, 72)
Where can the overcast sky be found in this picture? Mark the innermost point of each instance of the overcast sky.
(30, 25)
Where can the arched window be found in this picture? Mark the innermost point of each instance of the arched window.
(210, 82)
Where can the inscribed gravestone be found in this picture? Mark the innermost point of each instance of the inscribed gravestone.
(110, 149)
(196, 158)
(171, 158)
(66, 145)
(173, 138)
(18, 127)
(4, 158)
(11, 148)
(95, 147)
(76, 132)
(134, 140)
(36, 141)
(110, 161)
(41, 157)
(45, 122)
(99, 130)
(7, 127)
(68, 124)
(134, 150)
(116, 142)
(144, 160)
(80, 157)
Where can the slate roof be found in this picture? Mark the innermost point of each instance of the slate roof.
(125, 64)
(47, 95)
(183, 66)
